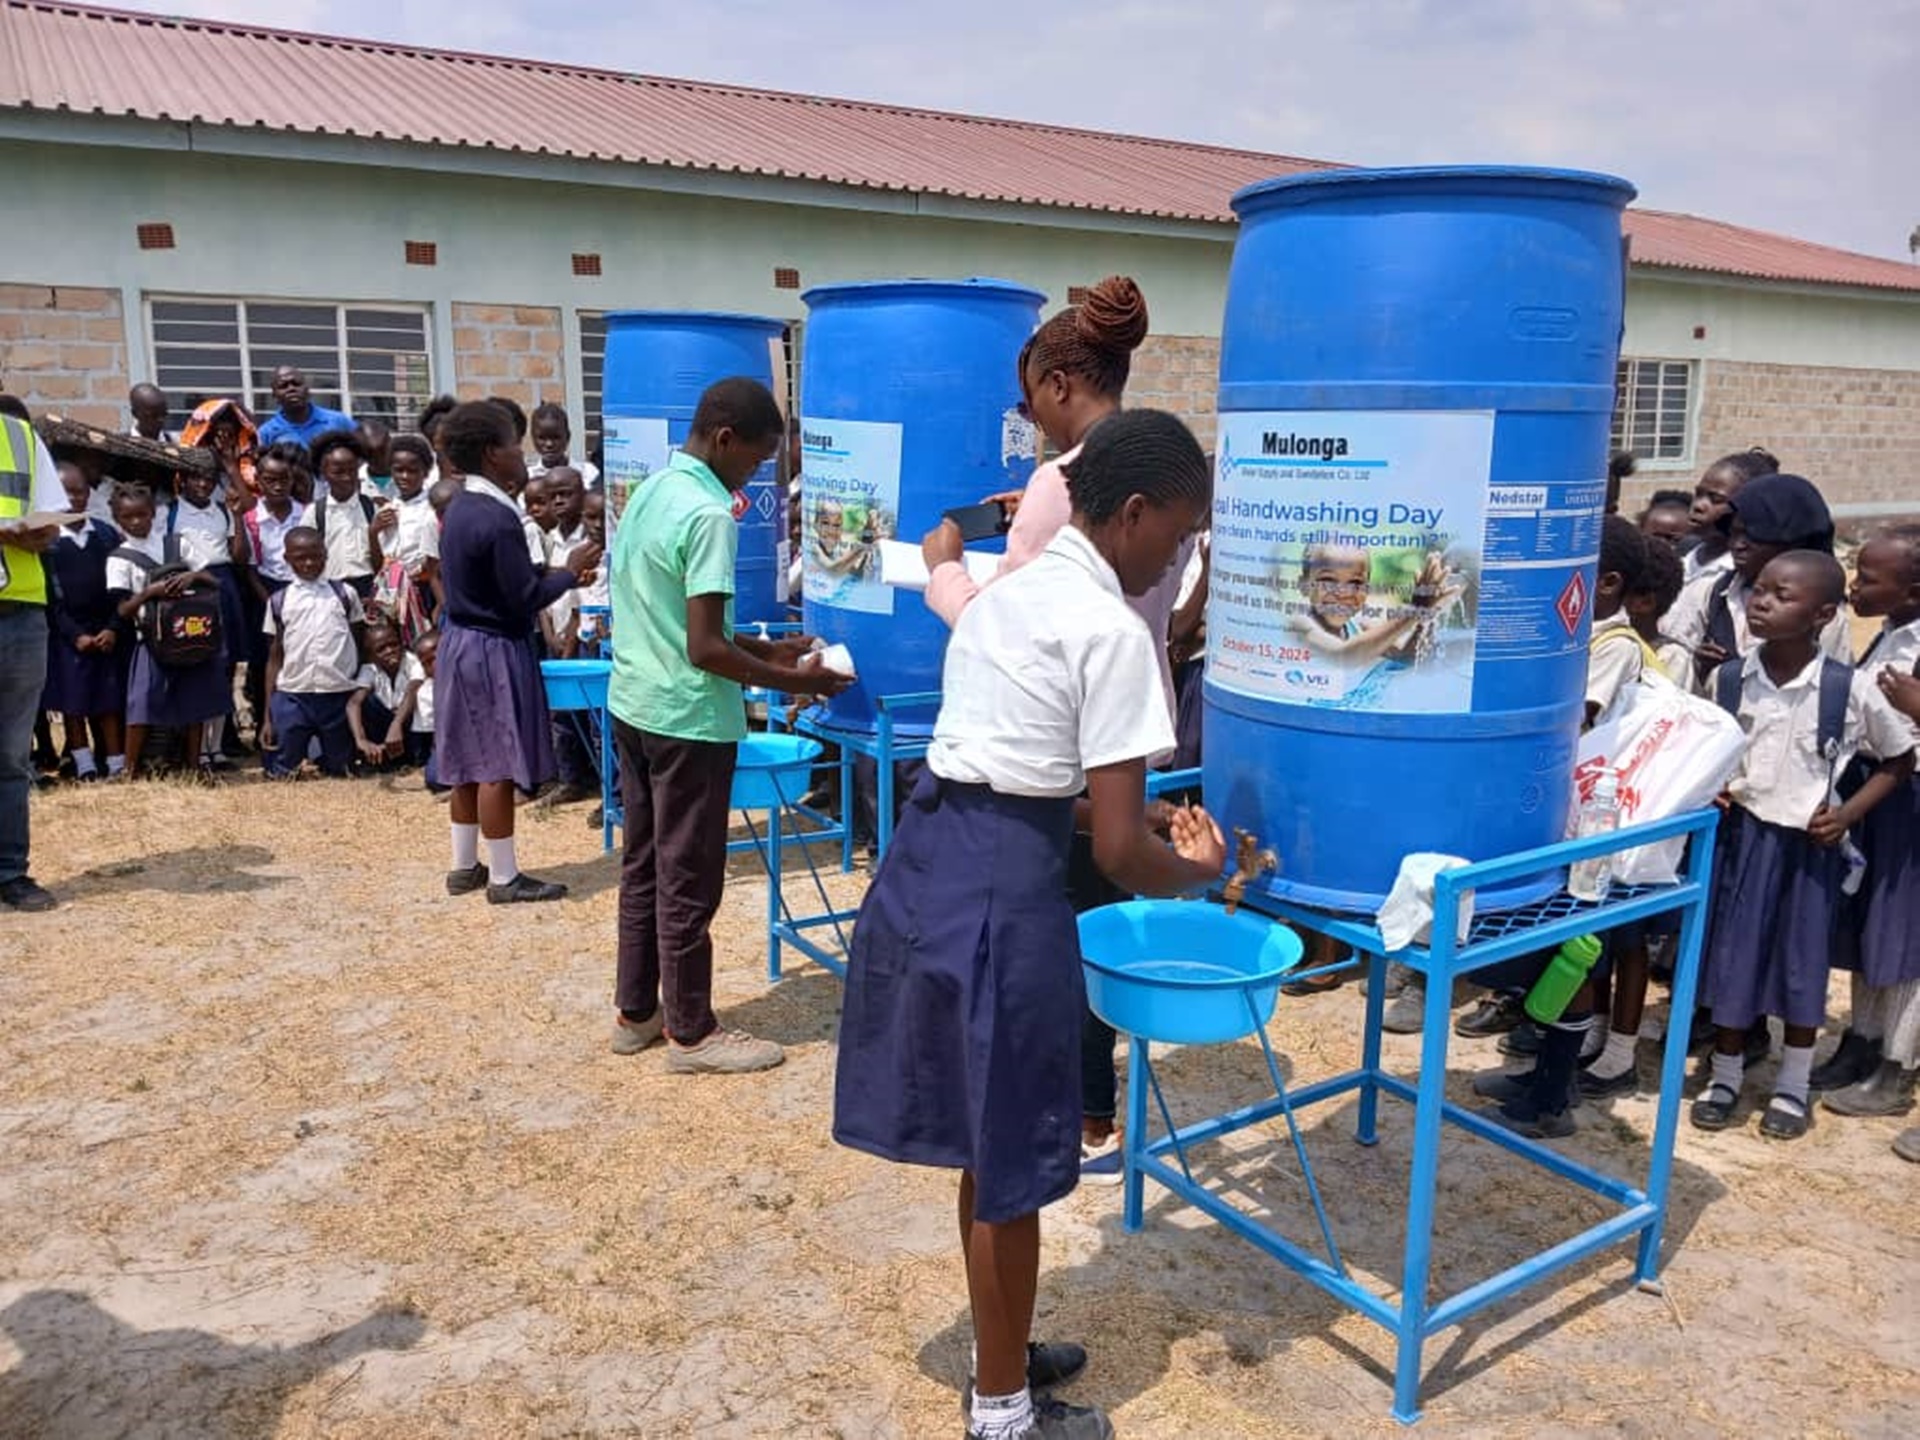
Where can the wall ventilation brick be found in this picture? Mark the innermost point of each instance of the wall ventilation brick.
(423, 252)
(586, 265)
(155, 235)
(785, 277)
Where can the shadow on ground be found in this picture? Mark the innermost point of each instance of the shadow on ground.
(83, 1373)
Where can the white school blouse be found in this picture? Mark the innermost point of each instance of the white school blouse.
(391, 690)
(205, 533)
(416, 538)
(1048, 676)
(318, 654)
(1687, 620)
(1783, 778)
(1896, 646)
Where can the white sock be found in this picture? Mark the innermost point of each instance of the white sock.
(116, 764)
(1729, 1071)
(1001, 1417)
(83, 760)
(1617, 1059)
(1796, 1064)
(502, 868)
(215, 736)
(466, 846)
(1592, 1040)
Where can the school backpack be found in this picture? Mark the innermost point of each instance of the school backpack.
(277, 603)
(181, 631)
(1836, 683)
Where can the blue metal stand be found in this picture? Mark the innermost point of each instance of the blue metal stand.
(1493, 938)
(886, 746)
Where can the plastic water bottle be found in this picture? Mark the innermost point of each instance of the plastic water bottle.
(1590, 879)
(1562, 979)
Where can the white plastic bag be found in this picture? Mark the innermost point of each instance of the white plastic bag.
(1406, 918)
(1673, 752)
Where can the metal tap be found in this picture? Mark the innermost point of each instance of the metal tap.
(1250, 862)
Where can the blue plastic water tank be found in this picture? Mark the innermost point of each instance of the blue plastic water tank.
(658, 362)
(908, 407)
(1416, 375)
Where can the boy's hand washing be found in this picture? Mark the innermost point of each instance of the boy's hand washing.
(1197, 837)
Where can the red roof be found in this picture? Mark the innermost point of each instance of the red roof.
(87, 60)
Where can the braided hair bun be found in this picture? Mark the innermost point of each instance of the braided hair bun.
(1093, 341)
(1113, 317)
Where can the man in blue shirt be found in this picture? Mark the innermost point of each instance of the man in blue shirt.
(298, 418)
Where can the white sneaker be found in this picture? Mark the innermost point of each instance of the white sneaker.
(724, 1052)
(1102, 1164)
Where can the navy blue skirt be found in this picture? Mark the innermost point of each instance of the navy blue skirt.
(1776, 905)
(234, 631)
(960, 1032)
(1882, 922)
(173, 695)
(490, 711)
(87, 684)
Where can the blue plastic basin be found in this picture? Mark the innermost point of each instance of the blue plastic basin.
(576, 684)
(1182, 971)
(764, 776)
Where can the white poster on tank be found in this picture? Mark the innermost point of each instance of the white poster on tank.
(633, 447)
(850, 498)
(1347, 556)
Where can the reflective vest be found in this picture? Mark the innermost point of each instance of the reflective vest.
(26, 577)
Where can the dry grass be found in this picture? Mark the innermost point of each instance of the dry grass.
(267, 1084)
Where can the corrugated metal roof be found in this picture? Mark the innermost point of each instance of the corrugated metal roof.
(88, 60)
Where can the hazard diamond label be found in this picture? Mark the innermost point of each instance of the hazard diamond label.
(741, 504)
(1572, 603)
(764, 504)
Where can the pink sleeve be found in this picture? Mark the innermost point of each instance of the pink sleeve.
(1044, 508)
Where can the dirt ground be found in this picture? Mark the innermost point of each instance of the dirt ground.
(295, 1145)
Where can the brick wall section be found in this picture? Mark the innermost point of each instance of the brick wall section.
(1854, 433)
(512, 350)
(64, 349)
(1180, 374)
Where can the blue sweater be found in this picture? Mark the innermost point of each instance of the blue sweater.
(489, 581)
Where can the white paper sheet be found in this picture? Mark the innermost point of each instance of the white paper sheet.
(904, 567)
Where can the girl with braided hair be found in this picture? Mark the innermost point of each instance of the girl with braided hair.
(959, 1038)
(1073, 374)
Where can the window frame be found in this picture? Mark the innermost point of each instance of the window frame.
(243, 346)
(1620, 424)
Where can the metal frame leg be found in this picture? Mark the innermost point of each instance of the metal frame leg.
(1410, 1337)
(775, 872)
(1366, 1128)
(1673, 1059)
(1134, 1142)
(847, 808)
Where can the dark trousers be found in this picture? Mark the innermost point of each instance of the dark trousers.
(415, 747)
(1088, 889)
(672, 872)
(299, 719)
(23, 673)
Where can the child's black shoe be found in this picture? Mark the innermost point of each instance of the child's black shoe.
(1854, 1060)
(523, 889)
(465, 882)
(1787, 1118)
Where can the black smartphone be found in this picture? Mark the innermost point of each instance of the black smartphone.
(980, 522)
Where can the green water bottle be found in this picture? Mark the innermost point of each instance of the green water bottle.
(1564, 975)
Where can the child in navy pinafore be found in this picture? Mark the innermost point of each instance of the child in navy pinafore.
(959, 1038)
(1873, 1071)
(86, 642)
(1779, 867)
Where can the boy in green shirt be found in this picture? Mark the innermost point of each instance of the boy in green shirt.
(678, 714)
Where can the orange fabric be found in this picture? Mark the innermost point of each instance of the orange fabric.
(198, 431)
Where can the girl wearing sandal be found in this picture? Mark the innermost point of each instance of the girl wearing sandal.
(1780, 865)
(960, 1035)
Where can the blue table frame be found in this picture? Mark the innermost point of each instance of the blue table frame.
(886, 746)
(1493, 938)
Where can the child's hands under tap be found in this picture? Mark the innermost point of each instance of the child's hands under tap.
(1196, 837)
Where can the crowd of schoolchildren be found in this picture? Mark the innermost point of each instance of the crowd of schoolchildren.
(291, 581)
(1733, 591)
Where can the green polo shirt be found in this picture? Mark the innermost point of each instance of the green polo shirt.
(676, 539)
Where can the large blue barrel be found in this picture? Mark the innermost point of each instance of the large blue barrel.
(1416, 382)
(657, 364)
(908, 407)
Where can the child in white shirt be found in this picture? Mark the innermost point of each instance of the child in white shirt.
(314, 664)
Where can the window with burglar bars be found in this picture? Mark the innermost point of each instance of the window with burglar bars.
(371, 360)
(1653, 409)
(593, 367)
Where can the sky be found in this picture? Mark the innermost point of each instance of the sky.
(1793, 117)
